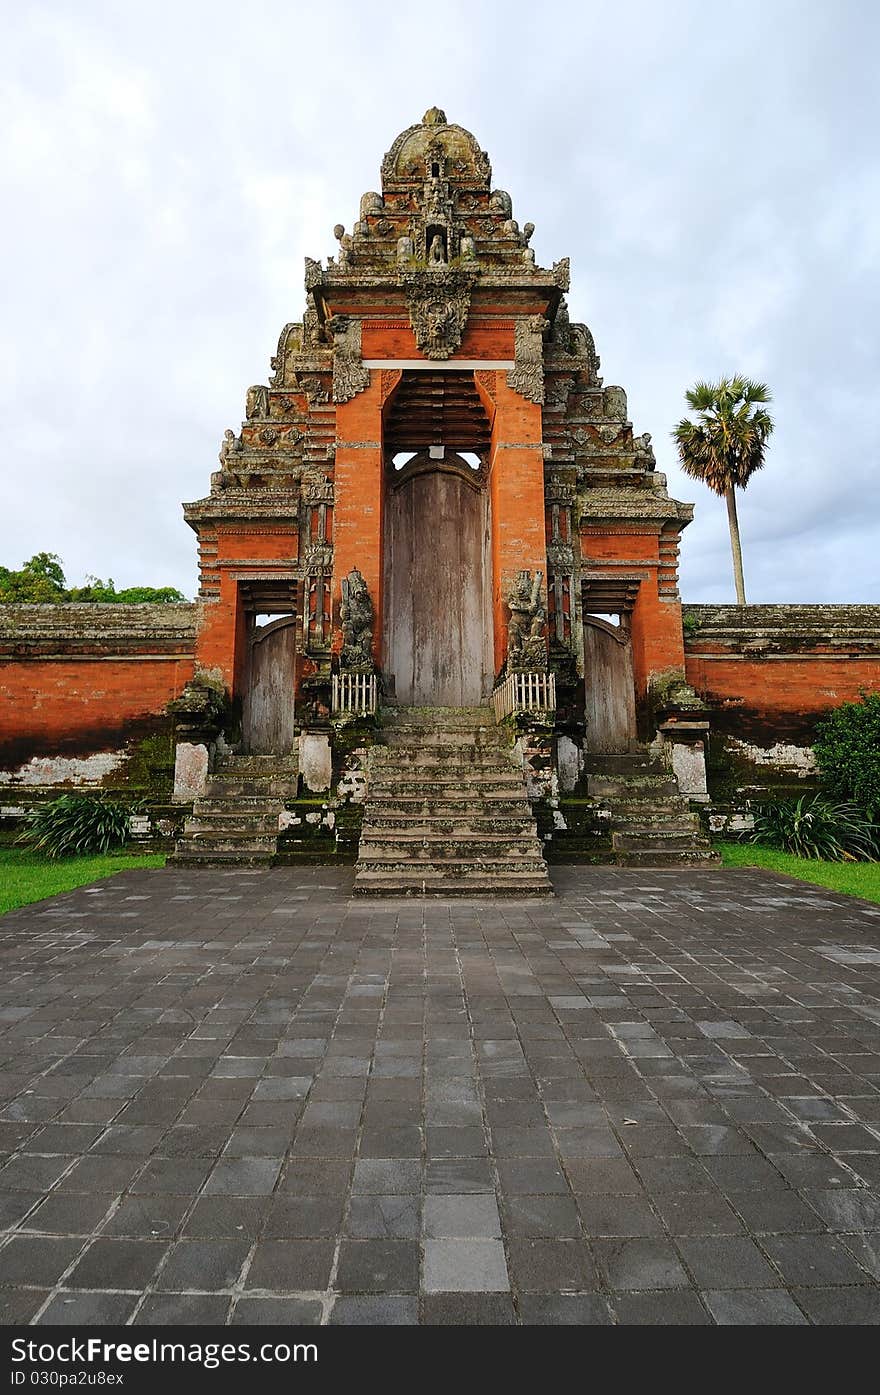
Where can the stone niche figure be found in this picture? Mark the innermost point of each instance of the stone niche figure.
(526, 644)
(356, 614)
(257, 402)
(437, 251)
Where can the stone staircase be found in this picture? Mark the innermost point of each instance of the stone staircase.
(446, 811)
(651, 823)
(236, 820)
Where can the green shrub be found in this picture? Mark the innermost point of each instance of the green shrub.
(815, 827)
(847, 749)
(76, 824)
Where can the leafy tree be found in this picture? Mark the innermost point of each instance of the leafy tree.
(847, 747)
(725, 445)
(41, 580)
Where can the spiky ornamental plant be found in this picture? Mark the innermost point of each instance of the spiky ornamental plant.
(76, 824)
(725, 445)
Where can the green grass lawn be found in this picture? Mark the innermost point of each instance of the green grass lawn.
(24, 877)
(851, 878)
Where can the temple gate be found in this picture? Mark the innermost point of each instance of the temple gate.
(437, 492)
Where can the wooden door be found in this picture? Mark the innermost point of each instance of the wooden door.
(438, 619)
(610, 691)
(267, 710)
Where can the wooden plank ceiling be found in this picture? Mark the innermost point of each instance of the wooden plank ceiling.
(434, 409)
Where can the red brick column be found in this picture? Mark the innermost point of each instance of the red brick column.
(516, 494)
(358, 531)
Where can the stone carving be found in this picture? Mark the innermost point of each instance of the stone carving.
(349, 374)
(527, 374)
(257, 402)
(557, 390)
(644, 451)
(526, 643)
(314, 274)
(615, 403)
(314, 389)
(501, 202)
(562, 273)
(344, 240)
(356, 614)
(370, 203)
(231, 445)
(405, 249)
(268, 436)
(438, 302)
(390, 379)
(468, 249)
(437, 252)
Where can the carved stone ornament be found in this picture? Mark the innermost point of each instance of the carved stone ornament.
(349, 374)
(527, 375)
(257, 402)
(562, 273)
(356, 614)
(526, 642)
(439, 302)
(314, 274)
(314, 389)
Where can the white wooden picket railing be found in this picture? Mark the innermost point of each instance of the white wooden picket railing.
(525, 692)
(355, 692)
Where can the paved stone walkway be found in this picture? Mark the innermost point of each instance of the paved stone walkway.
(247, 1097)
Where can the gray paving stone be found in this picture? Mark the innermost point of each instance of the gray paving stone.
(467, 1310)
(639, 1264)
(465, 1216)
(669, 1308)
(378, 1266)
(270, 1312)
(456, 1266)
(656, 1069)
(753, 1307)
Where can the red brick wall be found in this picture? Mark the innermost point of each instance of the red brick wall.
(769, 672)
(81, 705)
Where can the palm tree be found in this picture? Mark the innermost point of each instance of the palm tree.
(725, 445)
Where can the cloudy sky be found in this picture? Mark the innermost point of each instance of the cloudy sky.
(710, 168)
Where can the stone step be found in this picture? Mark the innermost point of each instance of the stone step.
(656, 839)
(483, 761)
(461, 826)
(674, 822)
(456, 866)
(232, 787)
(187, 856)
(258, 765)
(632, 787)
(242, 804)
(375, 848)
(438, 785)
(229, 840)
(445, 887)
(680, 857)
(256, 821)
(634, 762)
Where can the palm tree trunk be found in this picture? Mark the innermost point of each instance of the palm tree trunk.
(735, 547)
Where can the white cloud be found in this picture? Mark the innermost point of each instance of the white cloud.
(166, 168)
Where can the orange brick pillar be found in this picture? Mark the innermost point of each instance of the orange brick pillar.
(358, 532)
(516, 494)
(657, 637)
